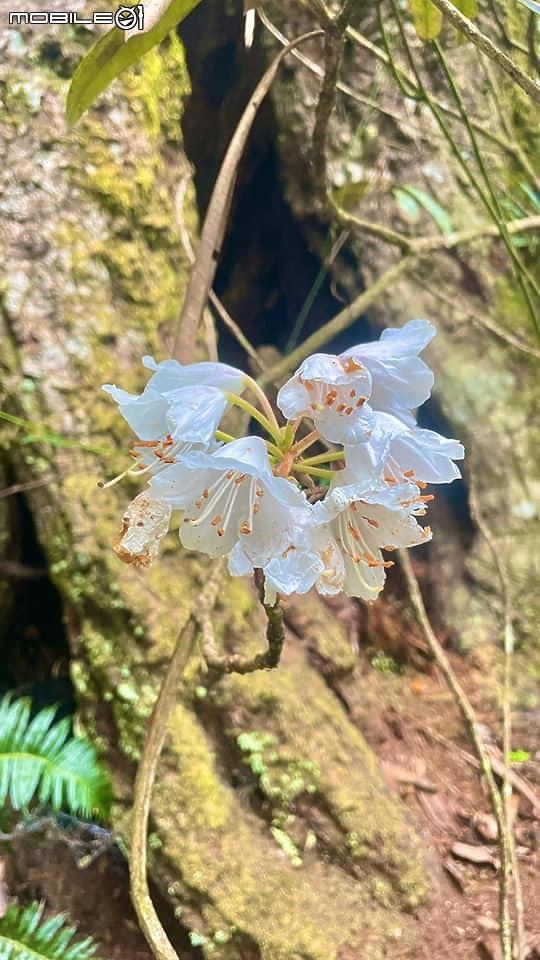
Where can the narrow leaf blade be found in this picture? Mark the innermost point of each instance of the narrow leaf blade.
(112, 54)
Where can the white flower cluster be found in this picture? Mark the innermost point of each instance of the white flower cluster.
(323, 520)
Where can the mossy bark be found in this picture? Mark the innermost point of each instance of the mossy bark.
(272, 833)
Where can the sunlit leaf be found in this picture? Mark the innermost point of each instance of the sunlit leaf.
(112, 54)
(408, 206)
(427, 19)
(518, 756)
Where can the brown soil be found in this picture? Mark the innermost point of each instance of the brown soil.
(413, 725)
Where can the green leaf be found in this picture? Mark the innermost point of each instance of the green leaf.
(39, 757)
(408, 206)
(467, 7)
(434, 209)
(427, 19)
(518, 756)
(23, 936)
(113, 53)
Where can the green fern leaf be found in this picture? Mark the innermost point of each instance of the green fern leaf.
(38, 757)
(24, 937)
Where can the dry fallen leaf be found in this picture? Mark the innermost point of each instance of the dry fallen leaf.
(474, 854)
(486, 826)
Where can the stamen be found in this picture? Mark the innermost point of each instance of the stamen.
(350, 365)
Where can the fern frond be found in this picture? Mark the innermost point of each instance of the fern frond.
(23, 936)
(38, 757)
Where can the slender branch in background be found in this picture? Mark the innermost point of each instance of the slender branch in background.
(218, 306)
(521, 155)
(508, 647)
(342, 87)
(333, 51)
(471, 724)
(507, 39)
(339, 323)
(523, 276)
(204, 268)
(22, 487)
(424, 245)
(149, 921)
(483, 43)
(508, 145)
(219, 664)
(490, 203)
(479, 319)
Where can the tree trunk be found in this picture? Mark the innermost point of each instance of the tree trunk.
(272, 833)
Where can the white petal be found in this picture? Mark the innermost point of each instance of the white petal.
(194, 413)
(145, 414)
(428, 454)
(169, 375)
(406, 341)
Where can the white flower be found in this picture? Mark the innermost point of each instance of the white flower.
(365, 521)
(401, 381)
(332, 391)
(185, 402)
(397, 452)
(230, 496)
(309, 556)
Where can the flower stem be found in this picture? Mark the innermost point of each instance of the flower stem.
(305, 442)
(314, 471)
(264, 402)
(226, 437)
(324, 457)
(271, 427)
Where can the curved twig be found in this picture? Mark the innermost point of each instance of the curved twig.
(202, 274)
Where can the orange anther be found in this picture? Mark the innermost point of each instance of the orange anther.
(361, 401)
(352, 394)
(350, 365)
(372, 522)
(245, 527)
(216, 520)
(409, 473)
(353, 530)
